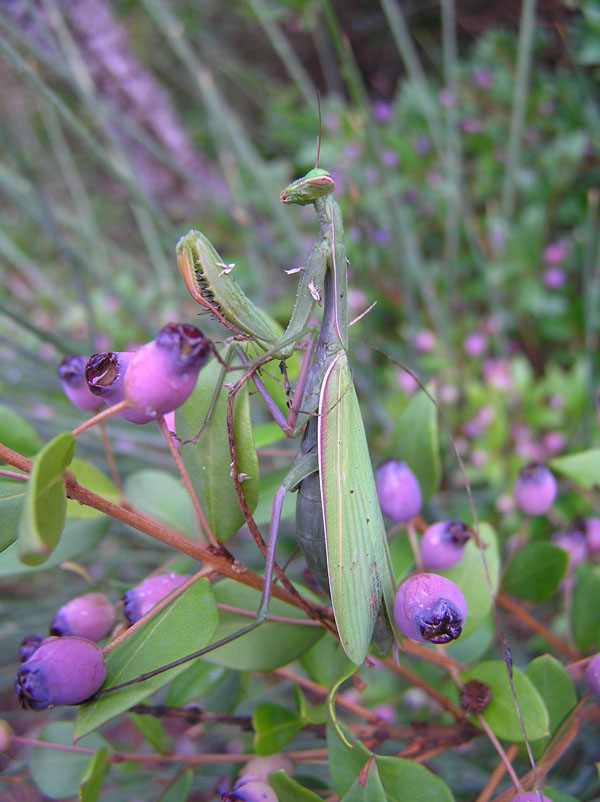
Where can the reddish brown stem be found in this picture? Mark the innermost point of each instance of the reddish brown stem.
(223, 563)
(519, 611)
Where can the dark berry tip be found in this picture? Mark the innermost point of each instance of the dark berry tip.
(28, 646)
(102, 371)
(533, 470)
(186, 341)
(440, 623)
(458, 532)
(71, 370)
(30, 689)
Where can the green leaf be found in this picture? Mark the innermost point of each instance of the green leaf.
(12, 495)
(404, 779)
(268, 646)
(17, 434)
(153, 731)
(179, 789)
(288, 790)
(186, 625)
(501, 713)
(471, 647)
(45, 506)
(92, 778)
(415, 441)
(469, 574)
(266, 434)
(163, 497)
(79, 537)
(357, 553)
(558, 796)
(199, 678)
(56, 772)
(556, 688)
(367, 786)
(345, 762)
(274, 726)
(536, 571)
(209, 460)
(585, 621)
(89, 476)
(319, 660)
(583, 467)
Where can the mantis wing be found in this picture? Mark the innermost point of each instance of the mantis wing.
(357, 552)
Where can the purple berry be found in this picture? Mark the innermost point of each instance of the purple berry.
(90, 616)
(29, 645)
(62, 671)
(535, 489)
(592, 534)
(429, 607)
(398, 490)
(592, 675)
(259, 768)
(105, 375)
(142, 598)
(443, 544)
(71, 373)
(530, 796)
(163, 373)
(252, 791)
(573, 541)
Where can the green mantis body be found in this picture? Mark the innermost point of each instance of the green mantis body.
(332, 472)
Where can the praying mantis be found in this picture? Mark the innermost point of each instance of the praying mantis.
(339, 521)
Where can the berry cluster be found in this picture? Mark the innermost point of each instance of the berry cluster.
(153, 381)
(68, 667)
(428, 607)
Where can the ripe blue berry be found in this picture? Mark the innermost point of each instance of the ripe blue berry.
(592, 675)
(90, 616)
(429, 607)
(28, 646)
(62, 671)
(535, 489)
(71, 373)
(443, 544)
(105, 375)
(398, 490)
(163, 373)
(142, 598)
(252, 791)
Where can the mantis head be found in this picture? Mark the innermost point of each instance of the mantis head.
(315, 184)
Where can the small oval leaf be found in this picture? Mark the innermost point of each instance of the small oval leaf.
(274, 726)
(89, 476)
(45, 507)
(501, 713)
(536, 571)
